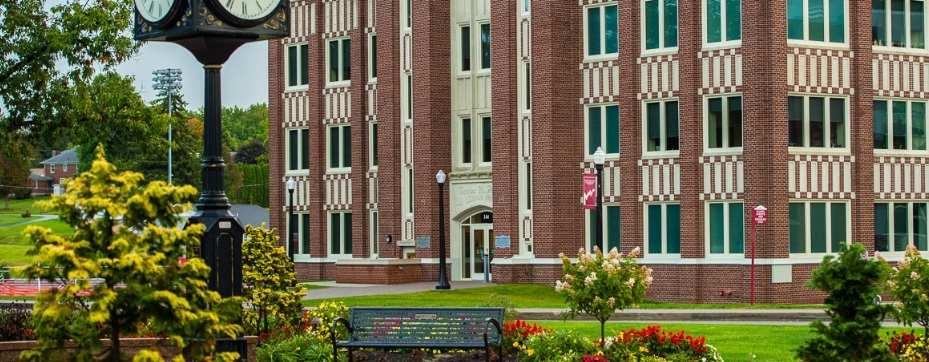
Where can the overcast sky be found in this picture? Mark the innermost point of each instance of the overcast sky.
(245, 75)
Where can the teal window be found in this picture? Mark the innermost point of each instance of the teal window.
(818, 227)
(723, 21)
(339, 58)
(898, 23)
(726, 228)
(899, 225)
(664, 228)
(298, 65)
(373, 230)
(724, 122)
(298, 149)
(838, 235)
(899, 125)
(340, 233)
(816, 20)
(304, 234)
(819, 122)
(662, 130)
(293, 227)
(486, 150)
(340, 146)
(485, 46)
(797, 216)
(603, 129)
(602, 24)
(466, 140)
(372, 56)
(879, 26)
(660, 24)
(465, 48)
(881, 227)
(917, 24)
(611, 228)
(372, 141)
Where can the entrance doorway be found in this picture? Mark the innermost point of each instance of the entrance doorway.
(477, 236)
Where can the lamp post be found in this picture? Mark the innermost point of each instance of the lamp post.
(598, 157)
(167, 82)
(443, 278)
(292, 237)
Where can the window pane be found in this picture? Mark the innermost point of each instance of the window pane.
(348, 232)
(612, 129)
(374, 233)
(736, 228)
(735, 121)
(797, 215)
(880, 124)
(593, 31)
(305, 234)
(901, 235)
(304, 149)
(715, 123)
(674, 228)
(374, 142)
(612, 227)
(334, 147)
(465, 48)
(670, 23)
(817, 121)
(919, 225)
(528, 87)
(304, 64)
(374, 59)
(653, 115)
(918, 120)
(346, 59)
(795, 19)
(294, 229)
(671, 126)
(347, 146)
(717, 224)
(899, 125)
(881, 227)
(292, 155)
(593, 130)
(917, 24)
(898, 23)
(714, 21)
(291, 66)
(733, 19)
(529, 186)
(795, 121)
(611, 29)
(654, 229)
(486, 134)
(837, 21)
(817, 20)
(333, 61)
(839, 239)
(836, 122)
(466, 140)
(592, 231)
(485, 46)
(335, 234)
(879, 22)
(818, 227)
(652, 35)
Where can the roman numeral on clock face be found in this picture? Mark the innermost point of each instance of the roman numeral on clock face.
(249, 9)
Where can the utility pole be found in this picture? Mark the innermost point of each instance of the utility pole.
(168, 82)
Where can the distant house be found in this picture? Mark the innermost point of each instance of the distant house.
(49, 178)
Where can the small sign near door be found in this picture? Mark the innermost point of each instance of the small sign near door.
(502, 241)
(422, 241)
(589, 198)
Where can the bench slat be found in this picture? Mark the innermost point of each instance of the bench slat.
(424, 327)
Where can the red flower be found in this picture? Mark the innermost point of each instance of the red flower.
(595, 358)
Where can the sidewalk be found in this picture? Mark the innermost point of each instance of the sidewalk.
(336, 290)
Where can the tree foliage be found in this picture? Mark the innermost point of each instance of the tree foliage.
(909, 286)
(251, 153)
(122, 272)
(853, 282)
(270, 283)
(243, 125)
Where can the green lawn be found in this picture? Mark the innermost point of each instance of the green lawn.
(13, 244)
(519, 295)
(18, 206)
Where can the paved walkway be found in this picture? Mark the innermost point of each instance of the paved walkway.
(336, 290)
(35, 219)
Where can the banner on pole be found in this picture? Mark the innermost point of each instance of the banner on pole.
(589, 198)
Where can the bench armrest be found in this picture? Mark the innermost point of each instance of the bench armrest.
(335, 324)
(493, 322)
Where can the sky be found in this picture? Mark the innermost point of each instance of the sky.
(245, 74)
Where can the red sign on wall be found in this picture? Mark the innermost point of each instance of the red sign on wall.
(590, 191)
(760, 214)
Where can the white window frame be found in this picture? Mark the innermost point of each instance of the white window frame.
(51, 168)
(330, 83)
(610, 156)
(827, 132)
(602, 32)
(661, 49)
(825, 43)
(287, 155)
(664, 153)
(726, 231)
(302, 67)
(722, 27)
(372, 141)
(372, 52)
(341, 143)
(726, 149)
(908, 32)
(808, 230)
(664, 231)
(342, 235)
(910, 228)
(301, 232)
(373, 231)
(909, 151)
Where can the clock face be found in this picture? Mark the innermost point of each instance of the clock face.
(156, 11)
(248, 10)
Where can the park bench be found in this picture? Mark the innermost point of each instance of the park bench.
(436, 328)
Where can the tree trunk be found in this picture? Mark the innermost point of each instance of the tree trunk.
(115, 351)
(602, 334)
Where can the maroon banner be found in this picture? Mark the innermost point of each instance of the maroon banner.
(590, 191)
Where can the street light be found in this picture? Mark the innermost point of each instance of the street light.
(443, 278)
(598, 158)
(292, 238)
(167, 82)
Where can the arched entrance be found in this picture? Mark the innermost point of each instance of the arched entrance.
(477, 237)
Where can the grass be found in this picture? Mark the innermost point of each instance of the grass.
(735, 342)
(13, 244)
(18, 206)
(520, 296)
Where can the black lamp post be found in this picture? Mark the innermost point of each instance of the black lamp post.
(292, 236)
(443, 277)
(598, 158)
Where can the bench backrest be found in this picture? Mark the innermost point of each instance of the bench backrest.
(432, 325)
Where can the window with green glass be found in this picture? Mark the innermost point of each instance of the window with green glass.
(816, 20)
(919, 226)
(818, 227)
(485, 46)
(736, 228)
(304, 234)
(602, 23)
(465, 48)
(880, 124)
(881, 227)
(726, 229)
(797, 216)
(339, 58)
(297, 65)
(673, 228)
(603, 129)
(654, 229)
(661, 24)
(340, 147)
(662, 131)
(466, 140)
(838, 234)
(723, 20)
(899, 125)
(819, 122)
(293, 146)
(724, 122)
(879, 26)
(900, 224)
(917, 24)
(664, 228)
(340, 233)
(611, 228)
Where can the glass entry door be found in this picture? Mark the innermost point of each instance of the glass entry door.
(481, 243)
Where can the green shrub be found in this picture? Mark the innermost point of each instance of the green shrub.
(297, 348)
(320, 319)
(501, 301)
(562, 345)
(909, 286)
(271, 289)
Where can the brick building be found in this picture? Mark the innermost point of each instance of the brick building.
(54, 172)
(705, 108)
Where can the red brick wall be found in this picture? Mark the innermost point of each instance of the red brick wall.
(505, 124)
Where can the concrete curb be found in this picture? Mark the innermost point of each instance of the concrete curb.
(690, 315)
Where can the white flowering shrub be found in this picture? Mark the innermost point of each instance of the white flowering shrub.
(599, 284)
(909, 287)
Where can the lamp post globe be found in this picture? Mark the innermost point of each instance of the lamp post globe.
(599, 158)
(440, 178)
